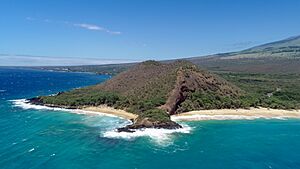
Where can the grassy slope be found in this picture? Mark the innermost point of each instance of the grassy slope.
(137, 90)
(146, 87)
(267, 90)
(279, 88)
(276, 57)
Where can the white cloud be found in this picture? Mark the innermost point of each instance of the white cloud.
(86, 26)
(115, 32)
(89, 27)
(96, 28)
(29, 18)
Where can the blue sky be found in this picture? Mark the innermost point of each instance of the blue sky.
(45, 32)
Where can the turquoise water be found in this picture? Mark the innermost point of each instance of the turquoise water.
(31, 138)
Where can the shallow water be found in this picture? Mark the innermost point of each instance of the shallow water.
(41, 138)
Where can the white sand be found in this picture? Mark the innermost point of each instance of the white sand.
(224, 114)
(112, 111)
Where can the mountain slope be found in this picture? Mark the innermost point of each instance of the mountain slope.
(170, 83)
(152, 90)
(276, 57)
(292, 42)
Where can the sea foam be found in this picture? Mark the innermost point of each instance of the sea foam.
(160, 136)
(24, 104)
(31, 150)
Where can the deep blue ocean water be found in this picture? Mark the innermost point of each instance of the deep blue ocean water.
(31, 138)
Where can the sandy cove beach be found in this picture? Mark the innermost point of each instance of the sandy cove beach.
(232, 114)
(112, 111)
(215, 114)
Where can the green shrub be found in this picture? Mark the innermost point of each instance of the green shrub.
(155, 115)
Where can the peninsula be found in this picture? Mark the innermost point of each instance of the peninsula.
(152, 91)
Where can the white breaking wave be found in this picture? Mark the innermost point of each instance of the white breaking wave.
(31, 150)
(24, 104)
(223, 117)
(160, 136)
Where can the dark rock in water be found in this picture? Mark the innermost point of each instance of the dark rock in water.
(146, 123)
(125, 129)
(39, 101)
(59, 93)
(35, 100)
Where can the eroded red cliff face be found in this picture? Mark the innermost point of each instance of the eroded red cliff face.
(191, 79)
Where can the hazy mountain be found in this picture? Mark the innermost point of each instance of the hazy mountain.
(276, 57)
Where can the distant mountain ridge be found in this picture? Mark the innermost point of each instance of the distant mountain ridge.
(276, 57)
(291, 41)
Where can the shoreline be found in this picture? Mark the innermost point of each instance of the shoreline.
(197, 115)
(89, 110)
(214, 114)
(236, 114)
(111, 111)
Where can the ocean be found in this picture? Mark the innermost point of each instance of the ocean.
(35, 137)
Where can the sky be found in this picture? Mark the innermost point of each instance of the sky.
(65, 32)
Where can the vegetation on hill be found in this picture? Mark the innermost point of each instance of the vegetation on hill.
(276, 57)
(266, 76)
(151, 89)
(279, 91)
(152, 85)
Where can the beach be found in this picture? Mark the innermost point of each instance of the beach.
(232, 114)
(110, 110)
(214, 114)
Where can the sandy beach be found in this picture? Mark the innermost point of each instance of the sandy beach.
(112, 111)
(215, 114)
(231, 114)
